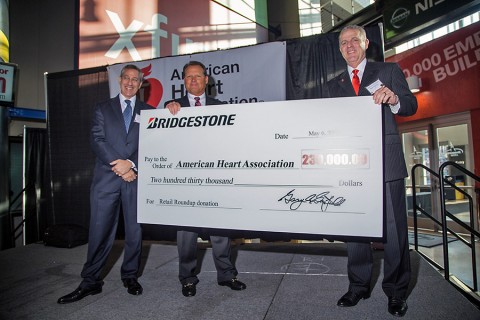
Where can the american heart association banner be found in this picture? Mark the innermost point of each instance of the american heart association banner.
(241, 75)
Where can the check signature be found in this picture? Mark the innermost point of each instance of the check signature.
(324, 199)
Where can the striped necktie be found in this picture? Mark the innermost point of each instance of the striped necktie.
(197, 102)
(127, 114)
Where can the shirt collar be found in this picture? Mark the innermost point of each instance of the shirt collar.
(191, 98)
(122, 101)
(360, 68)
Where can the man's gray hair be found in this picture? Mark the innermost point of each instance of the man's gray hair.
(363, 34)
(133, 67)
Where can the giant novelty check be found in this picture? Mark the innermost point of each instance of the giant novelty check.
(303, 166)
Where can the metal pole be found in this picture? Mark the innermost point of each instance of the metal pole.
(5, 219)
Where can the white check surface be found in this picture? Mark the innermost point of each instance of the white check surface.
(303, 166)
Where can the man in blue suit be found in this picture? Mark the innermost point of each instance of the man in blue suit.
(394, 96)
(195, 79)
(114, 139)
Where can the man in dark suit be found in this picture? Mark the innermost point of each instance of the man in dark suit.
(195, 79)
(114, 139)
(393, 95)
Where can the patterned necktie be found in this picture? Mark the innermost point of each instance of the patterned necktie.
(197, 102)
(127, 114)
(356, 81)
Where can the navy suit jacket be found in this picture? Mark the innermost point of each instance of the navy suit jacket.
(110, 141)
(392, 77)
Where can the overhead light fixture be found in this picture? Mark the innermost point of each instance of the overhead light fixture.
(414, 83)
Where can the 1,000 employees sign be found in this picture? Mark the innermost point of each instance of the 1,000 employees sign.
(305, 166)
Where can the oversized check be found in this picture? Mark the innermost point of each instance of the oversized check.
(303, 166)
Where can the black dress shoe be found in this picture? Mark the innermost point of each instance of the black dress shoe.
(79, 294)
(351, 299)
(189, 289)
(133, 287)
(234, 284)
(397, 306)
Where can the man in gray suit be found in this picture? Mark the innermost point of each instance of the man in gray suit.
(195, 79)
(114, 139)
(393, 95)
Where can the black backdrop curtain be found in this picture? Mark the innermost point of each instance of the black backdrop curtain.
(71, 98)
(311, 61)
(37, 214)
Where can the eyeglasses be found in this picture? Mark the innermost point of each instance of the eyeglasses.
(128, 79)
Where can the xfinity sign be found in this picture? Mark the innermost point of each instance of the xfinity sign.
(127, 33)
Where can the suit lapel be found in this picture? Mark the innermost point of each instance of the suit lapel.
(209, 101)
(117, 109)
(370, 75)
(136, 111)
(345, 84)
(184, 102)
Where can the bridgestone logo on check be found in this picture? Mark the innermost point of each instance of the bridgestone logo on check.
(197, 121)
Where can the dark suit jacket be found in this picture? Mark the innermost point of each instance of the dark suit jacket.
(110, 140)
(392, 77)
(184, 102)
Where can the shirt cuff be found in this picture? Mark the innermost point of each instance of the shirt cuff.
(133, 167)
(395, 107)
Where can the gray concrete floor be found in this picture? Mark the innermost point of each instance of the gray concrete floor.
(284, 281)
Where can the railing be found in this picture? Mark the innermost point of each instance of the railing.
(470, 228)
(13, 234)
(446, 230)
(427, 214)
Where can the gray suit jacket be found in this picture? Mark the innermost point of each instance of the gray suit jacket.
(392, 77)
